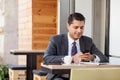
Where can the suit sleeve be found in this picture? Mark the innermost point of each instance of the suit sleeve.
(51, 55)
(97, 52)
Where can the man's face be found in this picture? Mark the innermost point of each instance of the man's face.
(76, 29)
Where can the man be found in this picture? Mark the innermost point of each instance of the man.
(62, 45)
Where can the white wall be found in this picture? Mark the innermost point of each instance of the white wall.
(114, 27)
(85, 7)
(114, 40)
(10, 31)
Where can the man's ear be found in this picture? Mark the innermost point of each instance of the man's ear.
(67, 26)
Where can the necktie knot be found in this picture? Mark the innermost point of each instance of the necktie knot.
(74, 49)
(74, 43)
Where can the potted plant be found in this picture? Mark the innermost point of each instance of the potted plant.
(4, 72)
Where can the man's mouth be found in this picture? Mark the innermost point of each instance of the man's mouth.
(78, 35)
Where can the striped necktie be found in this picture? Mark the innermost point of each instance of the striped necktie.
(74, 49)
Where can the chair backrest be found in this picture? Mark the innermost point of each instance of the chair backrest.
(95, 74)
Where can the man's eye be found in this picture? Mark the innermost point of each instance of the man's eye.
(81, 27)
(75, 27)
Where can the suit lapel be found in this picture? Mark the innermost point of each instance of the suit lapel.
(65, 45)
(82, 45)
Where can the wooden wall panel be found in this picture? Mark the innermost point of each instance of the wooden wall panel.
(44, 23)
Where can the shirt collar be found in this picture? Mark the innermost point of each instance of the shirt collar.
(70, 40)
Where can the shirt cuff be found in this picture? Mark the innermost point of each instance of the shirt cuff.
(97, 59)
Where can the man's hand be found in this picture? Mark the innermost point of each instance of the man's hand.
(76, 57)
(88, 57)
(83, 57)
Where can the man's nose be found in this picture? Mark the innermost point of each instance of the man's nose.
(79, 30)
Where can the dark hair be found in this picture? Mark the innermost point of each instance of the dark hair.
(75, 16)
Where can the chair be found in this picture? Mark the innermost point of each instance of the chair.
(17, 72)
(95, 74)
(39, 75)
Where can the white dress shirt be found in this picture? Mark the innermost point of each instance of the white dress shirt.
(70, 44)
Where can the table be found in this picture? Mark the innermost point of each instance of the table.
(31, 60)
(66, 69)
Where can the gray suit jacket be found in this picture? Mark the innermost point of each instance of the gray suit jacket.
(58, 48)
